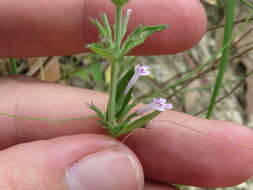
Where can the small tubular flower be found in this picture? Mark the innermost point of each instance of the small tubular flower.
(140, 70)
(159, 104)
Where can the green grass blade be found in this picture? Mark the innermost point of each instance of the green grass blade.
(248, 4)
(186, 76)
(231, 5)
(42, 119)
(13, 66)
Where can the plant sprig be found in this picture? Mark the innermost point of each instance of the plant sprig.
(113, 46)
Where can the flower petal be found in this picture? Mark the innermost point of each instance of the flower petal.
(145, 73)
(160, 108)
(160, 100)
(168, 106)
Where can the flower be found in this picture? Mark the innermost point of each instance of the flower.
(159, 104)
(140, 70)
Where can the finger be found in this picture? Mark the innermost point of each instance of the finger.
(62, 27)
(157, 186)
(168, 151)
(182, 149)
(70, 163)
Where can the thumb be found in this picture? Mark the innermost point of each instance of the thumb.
(77, 162)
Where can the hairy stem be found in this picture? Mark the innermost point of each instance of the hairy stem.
(115, 68)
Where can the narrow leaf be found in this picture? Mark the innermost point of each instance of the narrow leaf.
(101, 114)
(122, 84)
(139, 35)
(100, 50)
(125, 111)
(101, 29)
(139, 123)
(123, 102)
(108, 30)
(248, 4)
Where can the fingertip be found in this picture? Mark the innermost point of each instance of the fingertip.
(157, 186)
(194, 151)
(187, 23)
(63, 27)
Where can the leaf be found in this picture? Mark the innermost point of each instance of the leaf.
(100, 50)
(121, 99)
(123, 102)
(125, 111)
(248, 4)
(139, 123)
(139, 35)
(101, 114)
(83, 74)
(108, 30)
(122, 84)
(96, 73)
(101, 29)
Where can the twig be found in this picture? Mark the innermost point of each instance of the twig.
(227, 94)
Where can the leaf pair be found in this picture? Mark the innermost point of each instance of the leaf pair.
(106, 46)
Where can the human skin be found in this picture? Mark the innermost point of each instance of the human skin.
(175, 148)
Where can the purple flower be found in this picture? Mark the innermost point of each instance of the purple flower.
(159, 104)
(140, 70)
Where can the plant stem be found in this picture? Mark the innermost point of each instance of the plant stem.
(113, 90)
(115, 67)
(231, 5)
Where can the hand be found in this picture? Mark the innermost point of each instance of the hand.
(77, 154)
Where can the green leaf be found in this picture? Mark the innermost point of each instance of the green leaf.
(100, 50)
(248, 4)
(82, 74)
(101, 114)
(125, 111)
(139, 35)
(123, 102)
(108, 30)
(101, 29)
(122, 84)
(139, 123)
(96, 73)
(13, 66)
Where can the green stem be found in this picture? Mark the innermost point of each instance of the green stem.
(231, 5)
(115, 68)
(113, 90)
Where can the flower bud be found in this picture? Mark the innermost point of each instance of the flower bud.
(120, 2)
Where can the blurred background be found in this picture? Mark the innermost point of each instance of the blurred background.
(186, 79)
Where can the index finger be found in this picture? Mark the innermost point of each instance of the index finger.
(59, 27)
